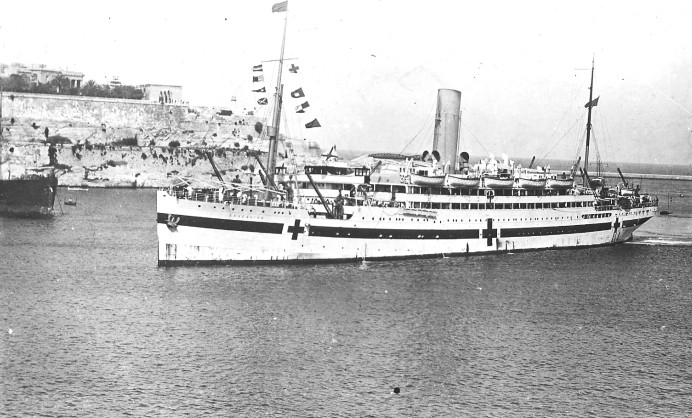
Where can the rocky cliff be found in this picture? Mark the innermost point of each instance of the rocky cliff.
(92, 137)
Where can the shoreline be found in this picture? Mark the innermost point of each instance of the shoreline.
(633, 177)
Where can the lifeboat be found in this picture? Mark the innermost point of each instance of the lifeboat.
(427, 181)
(498, 182)
(531, 179)
(463, 181)
(557, 183)
(597, 182)
(531, 183)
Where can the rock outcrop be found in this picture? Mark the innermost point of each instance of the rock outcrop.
(126, 143)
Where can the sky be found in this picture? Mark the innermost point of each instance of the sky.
(370, 70)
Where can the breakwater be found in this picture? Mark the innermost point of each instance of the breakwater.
(634, 177)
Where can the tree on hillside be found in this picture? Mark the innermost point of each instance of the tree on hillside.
(135, 93)
(127, 92)
(117, 91)
(42, 88)
(61, 84)
(15, 82)
(90, 88)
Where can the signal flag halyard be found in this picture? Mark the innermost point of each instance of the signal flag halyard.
(297, 94)
(313, 124)
(280, 7)
(301, 108)
(593, 102)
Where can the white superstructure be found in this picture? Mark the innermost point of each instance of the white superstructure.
(385, 220)
(439, 206)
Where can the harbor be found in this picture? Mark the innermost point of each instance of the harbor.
(491, 206)
(651, 176)
(386, 209)
(117, 332)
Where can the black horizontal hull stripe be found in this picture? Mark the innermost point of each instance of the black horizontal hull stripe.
(375, 233)
(634, 222)
(224, 224)
(388, 233)
(554, 230)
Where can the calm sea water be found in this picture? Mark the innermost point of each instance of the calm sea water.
(89, 326)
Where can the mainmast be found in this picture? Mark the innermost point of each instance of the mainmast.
(273, 129)
(0, 110)
(9, 170)
(590, 104)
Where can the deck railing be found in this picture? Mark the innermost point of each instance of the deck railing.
(213, 196)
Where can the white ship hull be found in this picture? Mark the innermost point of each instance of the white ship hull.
(222, 233)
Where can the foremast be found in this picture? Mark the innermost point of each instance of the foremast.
(273, 129)
(589, 105)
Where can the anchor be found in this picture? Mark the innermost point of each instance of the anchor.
(172, 222)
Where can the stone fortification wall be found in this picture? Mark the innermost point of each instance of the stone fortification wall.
(94, 111)
(25, 118)
(91, 129)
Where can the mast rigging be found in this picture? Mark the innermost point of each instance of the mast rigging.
(589, 105)
(276, 118)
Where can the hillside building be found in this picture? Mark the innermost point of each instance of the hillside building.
(162, 93)
(41, 74)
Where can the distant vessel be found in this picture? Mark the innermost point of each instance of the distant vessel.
(26, 195)
(390, 210)
(29, 196)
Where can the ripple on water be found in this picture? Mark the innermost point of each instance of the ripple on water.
(98, 329)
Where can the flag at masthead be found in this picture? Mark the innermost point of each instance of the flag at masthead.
(274, 128)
